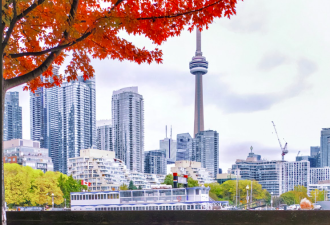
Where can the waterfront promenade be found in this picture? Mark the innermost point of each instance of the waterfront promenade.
(202, 217)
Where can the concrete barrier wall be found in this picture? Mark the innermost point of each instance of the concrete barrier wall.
(321, 217)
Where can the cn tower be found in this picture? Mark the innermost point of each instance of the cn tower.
(198, 67)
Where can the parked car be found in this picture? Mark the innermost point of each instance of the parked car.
(317, 206)
(294, 207)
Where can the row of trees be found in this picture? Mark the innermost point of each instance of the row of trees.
(227, 191)
(29, 187)
(299, 193)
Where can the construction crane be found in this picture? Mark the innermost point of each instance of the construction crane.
(283, 149)
(298, 153)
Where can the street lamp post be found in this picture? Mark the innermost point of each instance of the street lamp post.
(247, 196)
(52, 201)
(65, 203)
(271, 200)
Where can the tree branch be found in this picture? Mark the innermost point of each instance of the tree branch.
(28, 10)
(59, 47)
(180, 14)
(13, 82)
(11, 27)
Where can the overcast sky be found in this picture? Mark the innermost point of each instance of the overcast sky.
(270, 62)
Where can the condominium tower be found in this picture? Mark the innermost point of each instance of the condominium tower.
(205, 149)
(12, 121)
(104, 140)
(128, 127)
(198, 67)
(68, 122)
(39, 114)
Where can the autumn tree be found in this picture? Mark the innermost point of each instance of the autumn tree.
(37, 34)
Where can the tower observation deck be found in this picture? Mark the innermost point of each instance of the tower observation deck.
(198, 67)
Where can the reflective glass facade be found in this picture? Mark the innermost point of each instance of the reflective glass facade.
(66, 120)
(325, 147)
(184, 147)
(128, 127)
(205, 149)
(39, 114)
(12, 121)
(155, 162)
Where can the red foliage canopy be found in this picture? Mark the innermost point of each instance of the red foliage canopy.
(40, 33)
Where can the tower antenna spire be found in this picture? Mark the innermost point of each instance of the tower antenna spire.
(198, 43)
(198, 67)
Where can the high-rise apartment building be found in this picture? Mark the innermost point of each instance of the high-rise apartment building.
(39, 114)
(12, 120)
(155, 162)
(184, 147)
(205, 149)
(170, 147)
(105, 137)
(325, 147)
(65, 120)
(128, 127)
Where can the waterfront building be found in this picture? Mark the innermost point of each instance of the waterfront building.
(318, 175)
(39, 123)
(27, 153)
(198, 67)
(100, 168)
(155, 161)
(107, 173)
(194, 170)
(325, 147)
(184, 147)
(128, 127)
(292, 174)
(104, 139)
(205, 149)
(275, 176)
(12, 117)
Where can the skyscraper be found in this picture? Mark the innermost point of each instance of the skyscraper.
(205, 149)
(184, 147)
(64, 118)
(198, 67)
(105, 137)
(155, 162)
(128, 127)
(38, 113)
(325, 147)
(170, 147)
(12, 120)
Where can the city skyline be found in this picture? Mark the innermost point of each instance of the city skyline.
(257, 74)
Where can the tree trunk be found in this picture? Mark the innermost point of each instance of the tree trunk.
(3, 211)
(2, 99)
